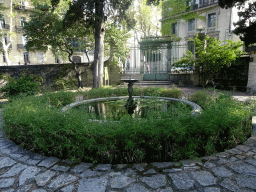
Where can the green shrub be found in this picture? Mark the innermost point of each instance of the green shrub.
(36, 123)
(25, 85)
(63, 84)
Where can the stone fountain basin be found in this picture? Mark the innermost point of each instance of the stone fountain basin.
(196, 109)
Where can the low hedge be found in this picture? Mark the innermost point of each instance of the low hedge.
(36, 124)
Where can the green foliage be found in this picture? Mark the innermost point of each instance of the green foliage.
(211, 54)
(36, 123)
(25, 85)
(64, 84)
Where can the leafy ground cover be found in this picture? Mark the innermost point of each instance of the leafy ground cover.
(36, 123)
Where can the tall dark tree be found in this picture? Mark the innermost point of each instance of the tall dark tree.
(246, 27)
(94, 13)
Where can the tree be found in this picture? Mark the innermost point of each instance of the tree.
(246, 27)
(211, 54)
(94, 13)
(4, 33)
(45, 28)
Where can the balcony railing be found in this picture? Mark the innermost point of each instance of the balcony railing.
(20, 46)
(204, 3)
(18, 28)
(5, 26)
(22, 7)
(10, 47)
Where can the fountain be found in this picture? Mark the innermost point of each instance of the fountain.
(130, 105)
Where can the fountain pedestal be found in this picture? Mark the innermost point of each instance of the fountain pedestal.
(130, 105)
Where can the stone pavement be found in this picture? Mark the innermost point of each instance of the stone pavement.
(232, 170)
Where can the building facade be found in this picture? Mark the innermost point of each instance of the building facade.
(17, 52)
(200, 16)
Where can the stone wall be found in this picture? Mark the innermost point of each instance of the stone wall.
(53, 72)
(251, 85)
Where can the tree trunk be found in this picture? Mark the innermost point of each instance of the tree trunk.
(99, 44)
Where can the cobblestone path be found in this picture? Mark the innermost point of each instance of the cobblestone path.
(232, 170)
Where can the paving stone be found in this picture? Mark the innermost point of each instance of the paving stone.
(191, 168)
(120, 166)
(243, 148)
(24, 188)
(43, 178)
(60, 168)
(181, 180)
(69, 188)
(28, 174)
(222, 155)
(204, 178)
(234, 151)
(248, 154)
(14, 149)
(6, 162)
(190, 163)
(208, 158)
(16, 169)
(243, 168)
(93, 185)
(150, 171)
(39, 190)
(174, 170)
(68, 161)
(251, 161)
(16, 156)
(6, 183)
(140, 166)
(211, 189)
(227, 184)
(233, 159)
(38, 157)
(221, 172)
(137, 188)
(62, 180)
(24, 158)
(162, 165)
(240, 157)
(121, 181)
(48, 162)
(114, 174)
(222, 161)
(103, 167)
(155, 181)
(5, 150)
(129, 172)
(248, 182)
(209, 165)
(32, 161)
(90, 173)
(81, 167)
(169, 189)
(10, 190)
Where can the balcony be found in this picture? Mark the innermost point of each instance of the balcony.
(5, 26)
(22, 7)
(18, 28)
(10, 47)
(20, 46)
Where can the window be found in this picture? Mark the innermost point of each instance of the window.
(4, 59)
(5, 39)
(57, 60)
(191, 24)
(212, 20)
(26, 57)
(40, 57)
(174, 28)
(2, 22)
(22, 21)
(1, 1)
(22, 5)
(191, 46)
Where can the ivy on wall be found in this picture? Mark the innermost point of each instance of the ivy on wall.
(175, 10)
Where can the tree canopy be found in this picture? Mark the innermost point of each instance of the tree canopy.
(246, 27)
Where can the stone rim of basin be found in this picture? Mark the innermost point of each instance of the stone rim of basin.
(196, 109)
